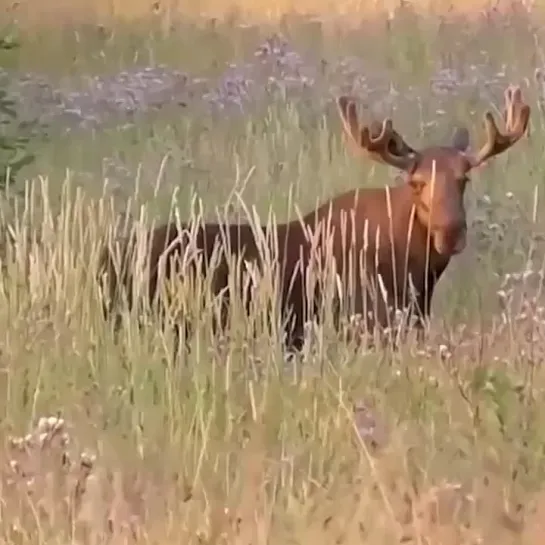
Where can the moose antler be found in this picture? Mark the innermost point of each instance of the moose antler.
(516, 118)
(381, 141)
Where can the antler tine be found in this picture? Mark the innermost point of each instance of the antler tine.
(516, 118)
(349, 118)
(396, 146)
(380, 141)
(388, 145)
(508, 113)
(515, 111)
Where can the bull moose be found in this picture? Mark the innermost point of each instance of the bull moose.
(402, 237)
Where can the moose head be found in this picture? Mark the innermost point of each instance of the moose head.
(438, 175)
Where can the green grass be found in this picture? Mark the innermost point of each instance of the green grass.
(226, 446)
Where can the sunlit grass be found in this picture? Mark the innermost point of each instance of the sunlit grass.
(30, 13)
(231, 439)
(232, 442)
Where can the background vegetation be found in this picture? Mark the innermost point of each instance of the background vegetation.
(233, 444)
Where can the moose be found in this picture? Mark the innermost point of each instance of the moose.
(402, 238)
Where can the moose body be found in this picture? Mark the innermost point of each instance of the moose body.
(172, 241)
(401, 238)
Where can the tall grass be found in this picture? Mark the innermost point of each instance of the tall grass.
(106, 435)
(231, 442)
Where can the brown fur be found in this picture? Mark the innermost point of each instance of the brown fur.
(406, 232)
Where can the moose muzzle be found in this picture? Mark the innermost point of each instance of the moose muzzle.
(450, 241)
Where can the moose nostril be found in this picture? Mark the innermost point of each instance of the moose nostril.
(450, 240)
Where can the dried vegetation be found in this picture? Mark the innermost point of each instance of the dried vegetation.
(234, 443)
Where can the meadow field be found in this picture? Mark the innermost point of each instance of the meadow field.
(145, 112)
